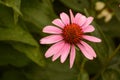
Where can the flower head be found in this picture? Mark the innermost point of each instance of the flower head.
(68, 33)
(99, 5)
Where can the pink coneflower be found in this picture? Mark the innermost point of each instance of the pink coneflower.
(68, 33)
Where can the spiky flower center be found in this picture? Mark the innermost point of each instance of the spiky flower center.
(72, 33)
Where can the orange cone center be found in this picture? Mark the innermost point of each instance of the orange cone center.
(72, 33)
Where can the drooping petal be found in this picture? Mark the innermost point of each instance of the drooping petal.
(58, 23)
(54, 49)
(85, 52)
(52, 30)
(65, 18)
(65, 51)
(89, 28)
(89, 48)
(88, 21)
(72, 16)
(91, 38)
(72, 56)
(51, 39)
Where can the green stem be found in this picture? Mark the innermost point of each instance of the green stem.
(113, 54)
(83, 64)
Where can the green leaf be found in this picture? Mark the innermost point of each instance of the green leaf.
(111, 74)
(53, 70)
(60, 71)
(77, 5)
(16, 15)
(6, 16)
(31, 52)
(17, 34)
(18, 38)
(8, 55)
(38, 12)
(11, 32)
(15, 5)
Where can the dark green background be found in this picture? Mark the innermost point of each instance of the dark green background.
(22, 57)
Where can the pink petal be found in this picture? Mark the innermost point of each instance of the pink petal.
(88, 21)
(85, 52)
(89, 48)
(65, 51)
(72, 56)
(71, 16)
(56, 56)
(91, 38)
(58, 23)
(81, 20)
(77, 17)
(65, 18)
(89, 28)
(52, 30)
(51, 39)
(54, 49)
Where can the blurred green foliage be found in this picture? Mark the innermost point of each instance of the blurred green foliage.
(22, 57)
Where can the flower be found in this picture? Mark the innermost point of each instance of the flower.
(106, 14)
(68, 33)
(99, 5)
